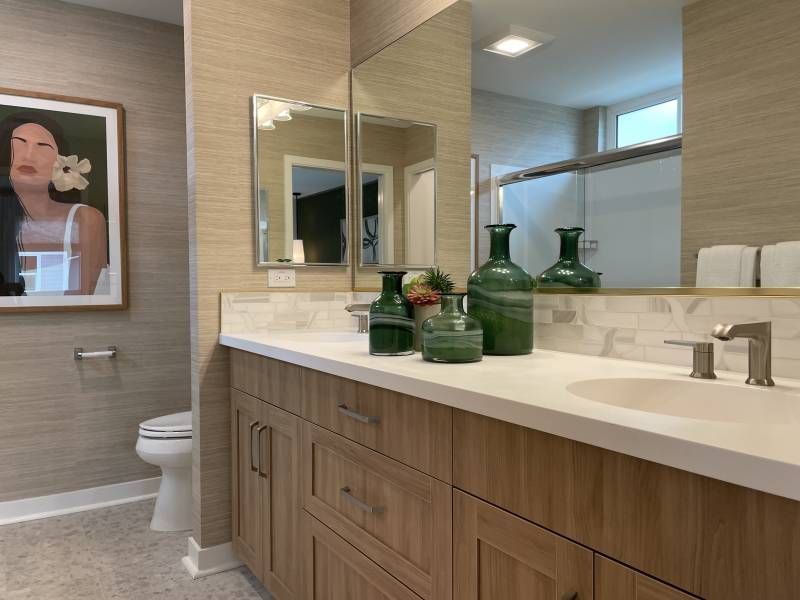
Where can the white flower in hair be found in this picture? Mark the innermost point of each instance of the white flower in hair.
(68, 173)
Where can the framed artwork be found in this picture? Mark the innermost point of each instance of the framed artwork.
(62, 203)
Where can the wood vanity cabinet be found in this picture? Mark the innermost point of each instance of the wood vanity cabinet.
(266, 493)
(359, 493)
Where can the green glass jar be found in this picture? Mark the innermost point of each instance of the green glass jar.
(452, 336)
(500, 296)
(569, 271)
(391, 319)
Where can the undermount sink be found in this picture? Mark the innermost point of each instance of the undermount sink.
(711, 401)
(323, 335)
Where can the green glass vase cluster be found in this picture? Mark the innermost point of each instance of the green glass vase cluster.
(569, 272)
(452, 336)
(391, 319)
(501, 298)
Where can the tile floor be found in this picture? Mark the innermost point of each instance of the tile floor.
(107, 554)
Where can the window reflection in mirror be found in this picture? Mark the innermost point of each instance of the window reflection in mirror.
(397, 165)
(301, 184)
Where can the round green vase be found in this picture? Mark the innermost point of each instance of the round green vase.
(569, 271)
(391, 319)
(452, 336)
(500, 296)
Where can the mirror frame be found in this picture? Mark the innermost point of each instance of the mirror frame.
(359, 193)
(257, 181)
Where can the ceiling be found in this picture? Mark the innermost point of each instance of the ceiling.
(605, 51)
(169, 11)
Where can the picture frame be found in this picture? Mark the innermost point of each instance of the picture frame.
(63, 243)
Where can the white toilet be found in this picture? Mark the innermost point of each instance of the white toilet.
(167, 443)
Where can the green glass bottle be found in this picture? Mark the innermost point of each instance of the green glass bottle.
(391, 319)
(452, 336)
(568, 270)
(500, 296)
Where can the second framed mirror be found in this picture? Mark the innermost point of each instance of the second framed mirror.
(301, 192)
(396, 192)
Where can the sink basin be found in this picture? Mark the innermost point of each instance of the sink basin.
(711, 401)
(328, 336)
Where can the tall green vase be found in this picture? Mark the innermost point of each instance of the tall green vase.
(500, 296)
(391, 319)
(569, 272)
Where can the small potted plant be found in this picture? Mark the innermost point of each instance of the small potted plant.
(425, 293)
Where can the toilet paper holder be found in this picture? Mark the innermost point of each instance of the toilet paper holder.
(79, 354)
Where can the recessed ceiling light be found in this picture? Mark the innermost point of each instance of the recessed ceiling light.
(514, 41)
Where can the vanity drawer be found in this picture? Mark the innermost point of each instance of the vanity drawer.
(400, 518)
(267, 379)
(337, 571)
(414, 431)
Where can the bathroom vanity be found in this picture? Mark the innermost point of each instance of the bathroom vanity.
(365, 478)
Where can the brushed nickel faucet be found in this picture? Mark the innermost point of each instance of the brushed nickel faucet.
(361, 311)
(702, 358)
(759, 336)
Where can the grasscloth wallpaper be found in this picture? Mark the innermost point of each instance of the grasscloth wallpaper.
(742, 125)
(425, 77)
(66, 425)
(231, 55)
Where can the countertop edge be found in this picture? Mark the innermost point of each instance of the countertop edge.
(755, 472)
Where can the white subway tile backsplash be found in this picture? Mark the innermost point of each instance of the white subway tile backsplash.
(635, 327)
(632, 327)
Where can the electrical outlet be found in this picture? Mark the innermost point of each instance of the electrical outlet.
(283, 278)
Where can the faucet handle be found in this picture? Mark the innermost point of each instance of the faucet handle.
(702, 358)
(361, 312)
(699, 346)
(355, 308)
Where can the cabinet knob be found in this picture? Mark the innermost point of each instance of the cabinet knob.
(570, 596)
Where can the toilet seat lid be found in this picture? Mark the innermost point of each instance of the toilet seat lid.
(175, 423)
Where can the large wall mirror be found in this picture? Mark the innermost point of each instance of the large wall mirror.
(397, 195)
(301, 192)
(615, 117)
(642, 124)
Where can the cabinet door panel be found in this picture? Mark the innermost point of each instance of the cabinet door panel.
(614, 581)
(337, 571)
(498, 555)
(280, 502)
(247, 522)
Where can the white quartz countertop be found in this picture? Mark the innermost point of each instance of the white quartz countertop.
(532, 391)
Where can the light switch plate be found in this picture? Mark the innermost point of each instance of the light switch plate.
(281, 278)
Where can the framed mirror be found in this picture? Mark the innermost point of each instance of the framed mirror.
(300, 188)
(397, 191)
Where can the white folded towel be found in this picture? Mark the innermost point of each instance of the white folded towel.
(780, 265)
(727, 266)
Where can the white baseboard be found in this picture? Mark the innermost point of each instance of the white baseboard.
(30, 509)
(201, 562)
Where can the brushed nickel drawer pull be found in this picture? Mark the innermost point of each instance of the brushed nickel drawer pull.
(261, 472)
(358, 416)
(253, 466)
(345, 492)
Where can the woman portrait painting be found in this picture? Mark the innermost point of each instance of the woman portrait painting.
(54, 228)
